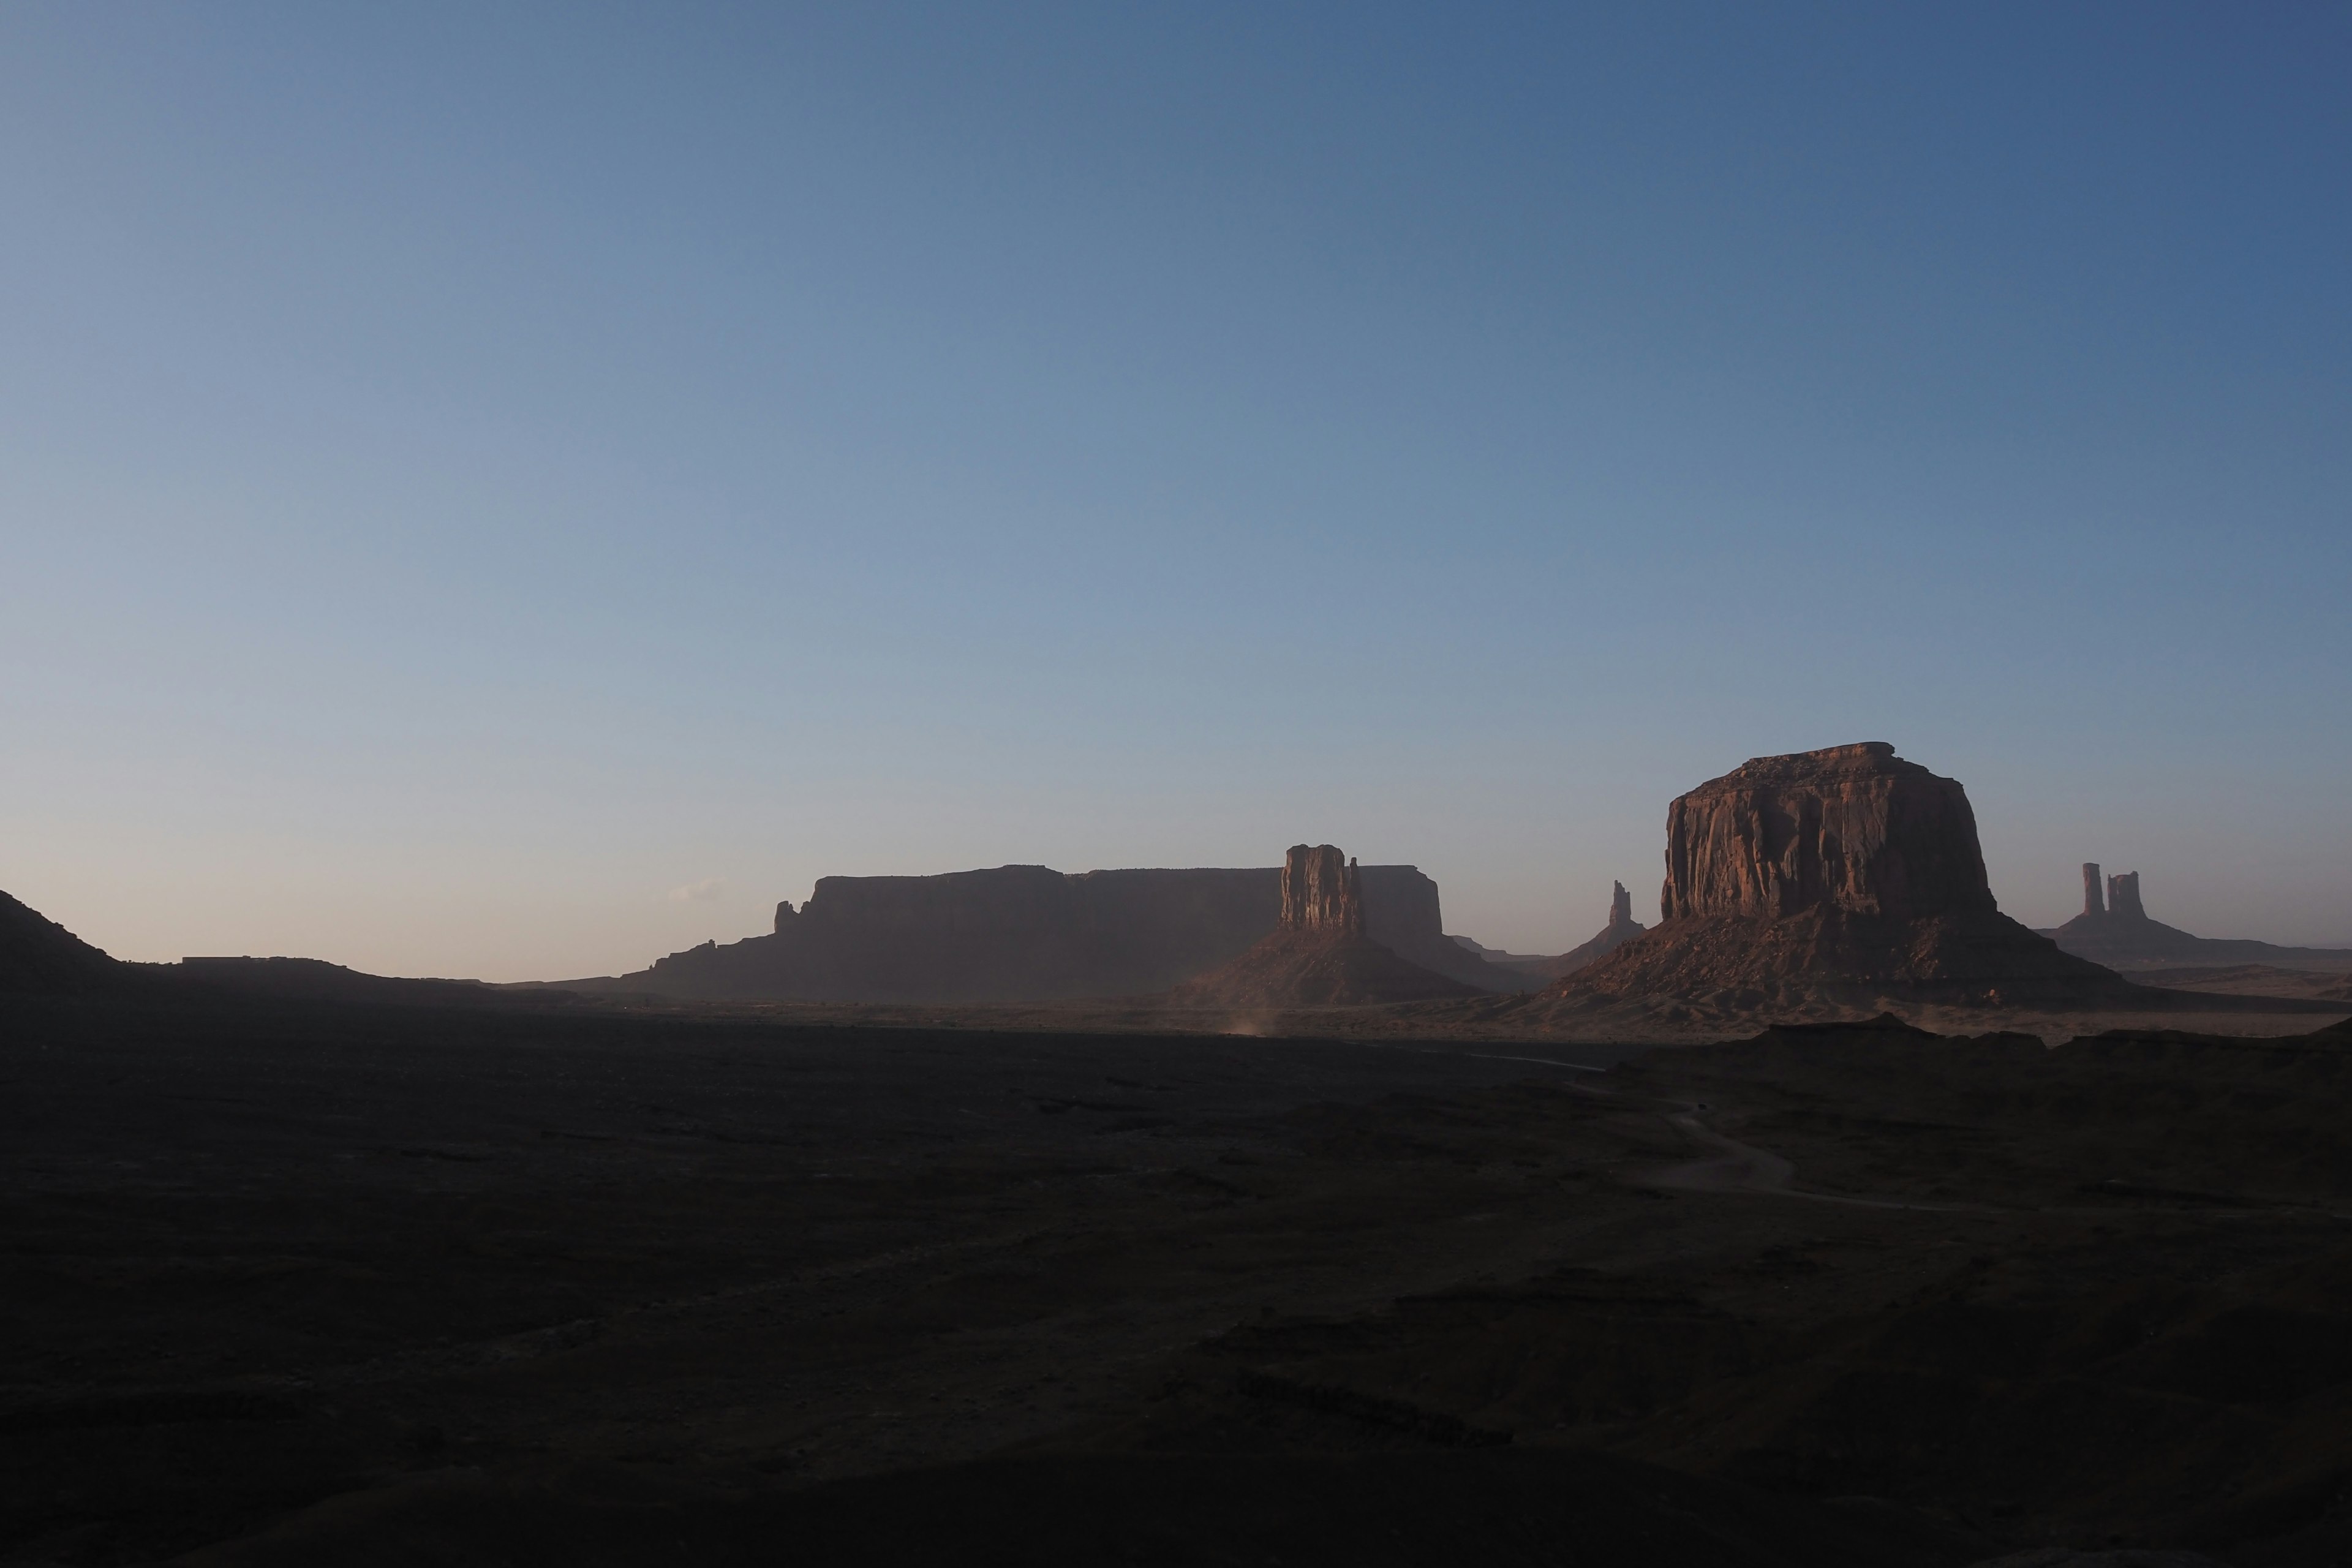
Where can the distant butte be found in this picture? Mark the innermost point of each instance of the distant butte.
(2114, 929)
(1621, 929)
(1318, 956)
(1824, 882)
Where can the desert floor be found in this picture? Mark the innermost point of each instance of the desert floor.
(304, 1283)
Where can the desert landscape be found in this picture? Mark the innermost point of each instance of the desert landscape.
(1320, 1256)
(1195, 786)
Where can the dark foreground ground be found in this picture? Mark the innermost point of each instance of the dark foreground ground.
(289, 1284)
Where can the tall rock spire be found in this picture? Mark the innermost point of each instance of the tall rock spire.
(1320, 891)
(2095, 902)
(2123, 896)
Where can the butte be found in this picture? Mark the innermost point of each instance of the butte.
(1318, 956)
(1827, 883)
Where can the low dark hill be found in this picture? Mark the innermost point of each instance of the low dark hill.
(315, 980)
(1031, 933)
(39, 956)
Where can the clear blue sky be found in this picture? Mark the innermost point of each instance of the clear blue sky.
(514, 490)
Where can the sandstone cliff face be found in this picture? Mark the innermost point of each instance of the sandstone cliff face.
(1320, 891)
(1852, 827)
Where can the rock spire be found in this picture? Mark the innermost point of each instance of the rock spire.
(1318, 956)
(2123, 897)
(1321, 891)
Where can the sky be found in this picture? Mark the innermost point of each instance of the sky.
(515, 490)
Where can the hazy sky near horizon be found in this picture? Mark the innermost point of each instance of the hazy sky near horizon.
(516, 489)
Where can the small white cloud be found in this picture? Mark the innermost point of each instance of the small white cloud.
(701, 893)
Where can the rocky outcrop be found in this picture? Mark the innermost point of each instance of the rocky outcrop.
(1827, 882)
(2116, 930)
(1318, 956)
(1621, 929)
(1018, 934)
(1320, 891)
(1854, 828)
(39, 956)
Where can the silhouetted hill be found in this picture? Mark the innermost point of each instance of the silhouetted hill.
(315, 980)
(38, 956)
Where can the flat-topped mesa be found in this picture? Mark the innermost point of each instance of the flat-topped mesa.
(1854, 828)
(2095, 902)
(2123, 897)
(1826, 883)
(1320, 891)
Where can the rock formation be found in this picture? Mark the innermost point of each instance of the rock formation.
(38, 956)
(2116, 930)
(1321, 891)
(2123, 897)
(1827, 882)
(1318, 956)
(1854, 828)
(1621, 929)
(1019, 933)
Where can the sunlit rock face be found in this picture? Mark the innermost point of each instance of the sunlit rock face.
(1320, 891)
(1855, 829)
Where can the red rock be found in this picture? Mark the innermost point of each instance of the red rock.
(1830, 881)
(1852, 827)
(1320, 891)
(1318, 956)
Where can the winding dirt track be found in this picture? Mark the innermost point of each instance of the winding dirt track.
(1736, 1167)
